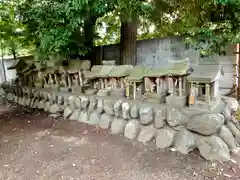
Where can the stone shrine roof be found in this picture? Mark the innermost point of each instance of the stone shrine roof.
(94, 72)
(120, 71)
(173, 68)
(105, 70)
(137, 74)
(206, 73)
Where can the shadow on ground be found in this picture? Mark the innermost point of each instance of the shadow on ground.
(37, 147)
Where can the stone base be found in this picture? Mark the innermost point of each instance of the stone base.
(176, 101)
(206, 107)
(154, 98)
(64, 89)
(77, 89)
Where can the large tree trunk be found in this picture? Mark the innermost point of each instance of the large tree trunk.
(128, 54)
(89, 34)
(2, 63)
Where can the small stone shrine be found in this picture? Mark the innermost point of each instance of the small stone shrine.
(176, 106)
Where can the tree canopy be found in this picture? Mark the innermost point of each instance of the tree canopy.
(73, 27)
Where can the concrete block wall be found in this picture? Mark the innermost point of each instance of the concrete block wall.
(156, 53)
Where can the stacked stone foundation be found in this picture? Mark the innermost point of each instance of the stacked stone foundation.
(215, 135)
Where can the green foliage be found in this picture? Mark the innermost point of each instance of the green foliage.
(12, 31)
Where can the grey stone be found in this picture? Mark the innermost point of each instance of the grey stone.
(147, 134)
(92, 105)
(176, 118)
(84, 116)
(41, 104)
(94, 118)
(146, 115)
(184, 141)
(85, 102)
(47, 106)
(67, 112)
(118, 126)
(71, 102)
(77, 102)
(100, 106)
(108, 107)
(160, 117)
(232, 103)
(226, 112)
(132, 129)
(235, 131)
(105, 121)
(60, 100)
(165, 137)
(35, 104)
(213, 148)
(75, 115)
(134, 112)
(55, 108)
(118, 108)
(205, 124)
(104, 92)
(126, 110)
(226, 135)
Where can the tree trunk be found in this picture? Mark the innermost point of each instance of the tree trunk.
(14, 54)
(89, 34)
(128, 54)
(2, 63)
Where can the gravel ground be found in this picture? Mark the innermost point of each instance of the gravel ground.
(36, 147)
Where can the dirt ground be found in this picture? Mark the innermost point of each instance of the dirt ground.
(36, 147)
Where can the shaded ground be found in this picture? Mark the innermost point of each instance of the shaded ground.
(34, 146)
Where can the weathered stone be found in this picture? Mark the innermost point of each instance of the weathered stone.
(118, 125)
(147, 133)
(108, 107)
(85, 102)
(165, 137)
(132, 129)
(232, 103)
(71, 102)
(235, 131)
(27, 102)
(146, 115)
(206, 124)
(60, 100)
(126, 110)
(47, 106)
(41, 104)
(94, 118)
(134, 112)
(92, 105)
(55, 108)
(176, 118)
(104, 92)
(226, 112)
(84, 116)
(100, 106)
(213, 148)
(67, 112)
(75, 115)
(77, 102)
(105, 121)
(117, 108)
(35, 104)
(184, 141)
(160, 117)
(226, 135)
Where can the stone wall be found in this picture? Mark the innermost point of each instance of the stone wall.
(215, 135)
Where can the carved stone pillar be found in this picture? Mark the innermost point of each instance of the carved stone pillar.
(134, 90)
(170, 86)
(207, 88)
(158, 83)
(180, 86)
